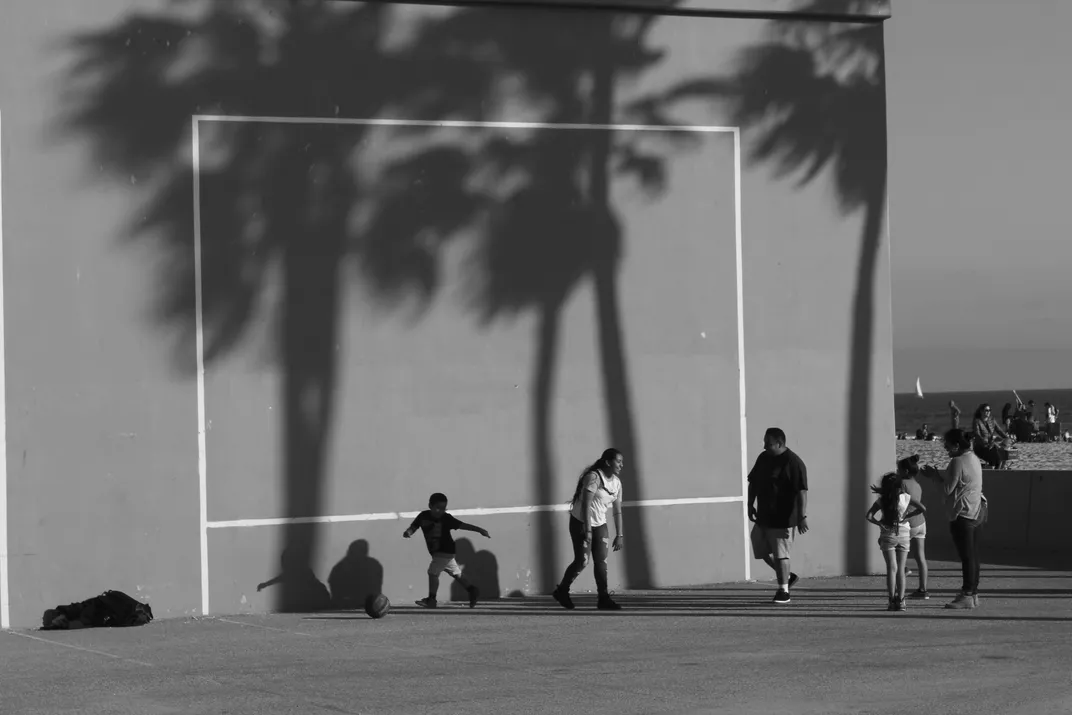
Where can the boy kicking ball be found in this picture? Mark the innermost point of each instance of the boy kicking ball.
(437, 524)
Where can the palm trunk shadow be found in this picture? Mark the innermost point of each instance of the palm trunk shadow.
(309, 336)
(858, 436)
(544, 478)
(616, 392)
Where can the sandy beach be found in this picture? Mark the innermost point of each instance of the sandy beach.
(1055, 455)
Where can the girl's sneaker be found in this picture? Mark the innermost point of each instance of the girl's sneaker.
(892, 605)
(920, 594)
(901, 605)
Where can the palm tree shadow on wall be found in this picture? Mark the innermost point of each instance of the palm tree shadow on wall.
(287, 223)
(811, 100)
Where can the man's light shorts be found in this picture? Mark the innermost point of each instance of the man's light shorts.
(771, 542)
(919, 532)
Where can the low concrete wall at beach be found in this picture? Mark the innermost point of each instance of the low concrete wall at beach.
(1025, 524)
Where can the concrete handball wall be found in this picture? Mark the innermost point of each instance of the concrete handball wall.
(256, 314)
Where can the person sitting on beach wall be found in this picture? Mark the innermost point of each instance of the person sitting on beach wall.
(985, 443)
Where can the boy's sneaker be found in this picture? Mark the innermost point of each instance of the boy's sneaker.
(427, 603)
(962, 601)
(474, 594)
(605, 603)
(920, 594)
(782, 596)
(793, 578)
(563, 598)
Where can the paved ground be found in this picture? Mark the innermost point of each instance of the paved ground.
(725, 649)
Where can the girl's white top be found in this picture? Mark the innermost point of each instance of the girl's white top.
(604, 490)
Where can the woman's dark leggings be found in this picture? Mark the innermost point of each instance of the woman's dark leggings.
(600, 549)
(966, 539)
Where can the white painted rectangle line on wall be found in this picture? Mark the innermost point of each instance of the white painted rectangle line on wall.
(5, 587)
(488, 511)
(202, 470)
(459, 124)
(742, 401)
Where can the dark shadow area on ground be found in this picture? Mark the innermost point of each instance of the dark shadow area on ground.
(481, 568)
(734, 607)
(356, 577)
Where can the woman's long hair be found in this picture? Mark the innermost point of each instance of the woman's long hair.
(980, 411)
(608, 457)
(889, 491)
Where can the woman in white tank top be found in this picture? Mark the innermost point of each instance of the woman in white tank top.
(598, 490)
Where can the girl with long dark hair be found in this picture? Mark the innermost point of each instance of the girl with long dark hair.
(896, 507)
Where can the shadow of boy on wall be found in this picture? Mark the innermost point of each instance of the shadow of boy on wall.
(482, 570)
(356, 577)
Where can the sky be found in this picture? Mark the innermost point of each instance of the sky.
(979, 102)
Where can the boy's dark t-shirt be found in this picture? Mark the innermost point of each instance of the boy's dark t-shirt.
(778, 479)
(437, 534)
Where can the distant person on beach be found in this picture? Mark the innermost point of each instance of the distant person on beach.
(777, 504)
(1006, 417)
(924, 433)
(1052, 413)
(954, 415)
(908, 469)
(962, 485)
(985, 438)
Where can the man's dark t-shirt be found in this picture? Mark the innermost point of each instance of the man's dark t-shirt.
(437, 534)
(778, 479)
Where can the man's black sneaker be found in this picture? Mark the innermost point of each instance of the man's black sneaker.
(427, 603)
(782, 596)
(474, 594)
(793, 578)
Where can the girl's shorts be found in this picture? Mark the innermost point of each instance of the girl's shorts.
(894, 540)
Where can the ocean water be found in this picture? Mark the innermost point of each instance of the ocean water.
(933, 408)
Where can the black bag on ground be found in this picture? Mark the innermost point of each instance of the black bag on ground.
(111, 609)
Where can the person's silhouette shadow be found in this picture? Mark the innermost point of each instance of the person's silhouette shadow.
(306, 592)
(481, 568)
(356, 577)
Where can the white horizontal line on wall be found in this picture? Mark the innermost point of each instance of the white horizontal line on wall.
(461, 124)
(489, 511)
